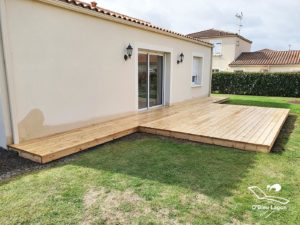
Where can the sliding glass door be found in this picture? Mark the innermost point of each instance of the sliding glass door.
(143, 81)
(150, 80)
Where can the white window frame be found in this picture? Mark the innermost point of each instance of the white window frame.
(214, 42)
(198, 55)
(149, 53)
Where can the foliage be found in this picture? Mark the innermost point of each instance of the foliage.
(261, 84)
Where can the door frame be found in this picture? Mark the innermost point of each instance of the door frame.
(149, 53)
(169, 62)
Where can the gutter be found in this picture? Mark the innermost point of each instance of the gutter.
(8, 68)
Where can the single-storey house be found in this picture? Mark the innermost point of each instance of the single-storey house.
(66, 64)
(267, 60)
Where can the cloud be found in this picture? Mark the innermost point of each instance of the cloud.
(269, 23)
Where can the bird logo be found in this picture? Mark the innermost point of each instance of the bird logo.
(274, 187)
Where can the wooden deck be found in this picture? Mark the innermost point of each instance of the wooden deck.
(201, 120)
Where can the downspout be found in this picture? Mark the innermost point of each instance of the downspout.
(210, 74)
(8, 68)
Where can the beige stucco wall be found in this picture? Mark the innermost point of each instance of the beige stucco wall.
(292, 68)
(5, 126)
(69, 69)
(228, 54)
(242, 46)
(232, 47)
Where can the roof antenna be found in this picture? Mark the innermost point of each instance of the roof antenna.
(290, 47)
(239, 16)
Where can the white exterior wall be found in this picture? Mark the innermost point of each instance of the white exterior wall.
(69, 69)
(292, 68)
(242, 46)
(232, 47)
(5, 126)
(2, 128)
(228, 54)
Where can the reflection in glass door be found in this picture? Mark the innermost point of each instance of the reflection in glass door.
(155, 80)
(150, 80)
(143, 81)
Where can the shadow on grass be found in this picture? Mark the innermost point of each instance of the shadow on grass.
(285, 133)
(211, 170)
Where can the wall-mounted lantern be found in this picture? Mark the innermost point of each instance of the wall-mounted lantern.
(128, 54)
(180, 59)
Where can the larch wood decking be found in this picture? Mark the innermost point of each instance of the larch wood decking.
(202, 120)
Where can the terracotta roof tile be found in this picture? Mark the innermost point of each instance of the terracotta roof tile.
(128, 18)
(267, 57)
(213, 33)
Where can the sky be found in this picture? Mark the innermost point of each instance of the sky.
(273, 24)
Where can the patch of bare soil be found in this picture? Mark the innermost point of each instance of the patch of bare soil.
(120, 207)
(295, 101)
(12, 165)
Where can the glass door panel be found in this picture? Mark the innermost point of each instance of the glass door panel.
(155, 80)
(150, 80)
(143, 80)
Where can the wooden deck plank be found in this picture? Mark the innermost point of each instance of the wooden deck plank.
(229, 124)
(246, 125)
(271, 138)
(261, 134)
(202, 120)
(275, 128)
(237, 126)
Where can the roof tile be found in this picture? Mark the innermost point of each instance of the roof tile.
(268, 57)
(213, 33)
(127, 18)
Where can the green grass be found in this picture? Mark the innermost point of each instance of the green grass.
(152, 180)
(275, 102)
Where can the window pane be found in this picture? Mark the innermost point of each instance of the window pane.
(156, 80)
(143, 80)
(197, 70)
(217, 49)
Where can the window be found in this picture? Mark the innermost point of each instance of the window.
(197, 71)
(217, 49)
(215, 70)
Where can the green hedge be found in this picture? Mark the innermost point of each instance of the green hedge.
(263, 84)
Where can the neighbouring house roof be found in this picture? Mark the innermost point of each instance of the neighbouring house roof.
(213, 33)
(92, 7)
(265, 50)
(267, 57)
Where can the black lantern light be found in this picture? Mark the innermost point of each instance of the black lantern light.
(181, 57)
(128, 54)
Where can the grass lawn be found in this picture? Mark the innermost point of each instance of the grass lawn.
(153, 180)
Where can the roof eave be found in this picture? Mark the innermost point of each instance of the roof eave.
(125, 22)
(241, 65)
(235, 35)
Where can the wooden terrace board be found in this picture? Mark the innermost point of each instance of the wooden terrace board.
(202, 120)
